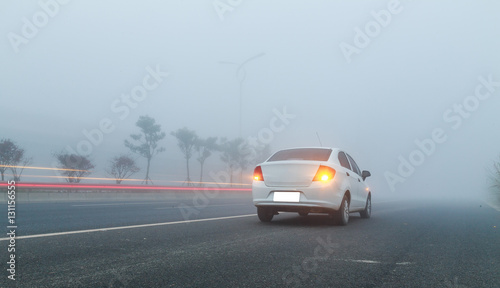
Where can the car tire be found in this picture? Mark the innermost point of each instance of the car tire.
(367, 213)
(342, 215)
(265, 215)
(303, 214)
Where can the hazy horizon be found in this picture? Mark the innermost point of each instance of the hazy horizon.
(373, 96)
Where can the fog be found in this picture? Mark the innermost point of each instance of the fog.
(374, 78)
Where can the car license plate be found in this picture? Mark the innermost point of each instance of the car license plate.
(286, 197)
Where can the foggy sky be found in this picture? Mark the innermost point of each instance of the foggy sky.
(429, 56)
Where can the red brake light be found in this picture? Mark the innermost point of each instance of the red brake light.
(257, 174)
(324, 174)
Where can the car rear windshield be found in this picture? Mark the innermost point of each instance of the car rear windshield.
(311, 154)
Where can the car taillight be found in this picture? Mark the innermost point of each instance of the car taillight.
(257, 174)
(324, 174)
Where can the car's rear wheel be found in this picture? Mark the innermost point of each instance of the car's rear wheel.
(303, 213)
(265, 214)
(368, 208)
(341, 217)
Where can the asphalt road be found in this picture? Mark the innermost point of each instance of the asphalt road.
(418, 243)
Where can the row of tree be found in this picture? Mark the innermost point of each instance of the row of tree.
(13, 158)
(237, 154)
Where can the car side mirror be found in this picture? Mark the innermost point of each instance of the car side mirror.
(365, 174)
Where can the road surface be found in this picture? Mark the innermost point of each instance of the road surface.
(417, 243)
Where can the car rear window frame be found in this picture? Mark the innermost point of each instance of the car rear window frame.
(307, 154)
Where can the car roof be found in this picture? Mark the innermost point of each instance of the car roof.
(336, 150)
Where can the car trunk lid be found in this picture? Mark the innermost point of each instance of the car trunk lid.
(289, 173)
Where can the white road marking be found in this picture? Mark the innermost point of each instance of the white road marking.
(209, 206)
(363, 261)
(373, 261)
(117, 204)
(127, 227)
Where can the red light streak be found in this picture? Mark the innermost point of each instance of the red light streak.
(133, 180)
(71, 177)
(115, 187)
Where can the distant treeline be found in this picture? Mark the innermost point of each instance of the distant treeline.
(237, 154)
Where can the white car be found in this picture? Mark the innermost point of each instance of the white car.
(311, 180)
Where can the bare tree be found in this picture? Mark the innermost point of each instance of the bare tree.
(18, 169)
(147, 141)
(495, 179)
(186, 140)
(122, 167)
(234, 156)
(10, 155)
(74, 166)
(260, 153)
(205, 147)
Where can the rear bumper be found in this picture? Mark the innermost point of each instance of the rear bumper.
(317, 198)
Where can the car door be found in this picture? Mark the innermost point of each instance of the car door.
(353, 179)
(359, 199)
